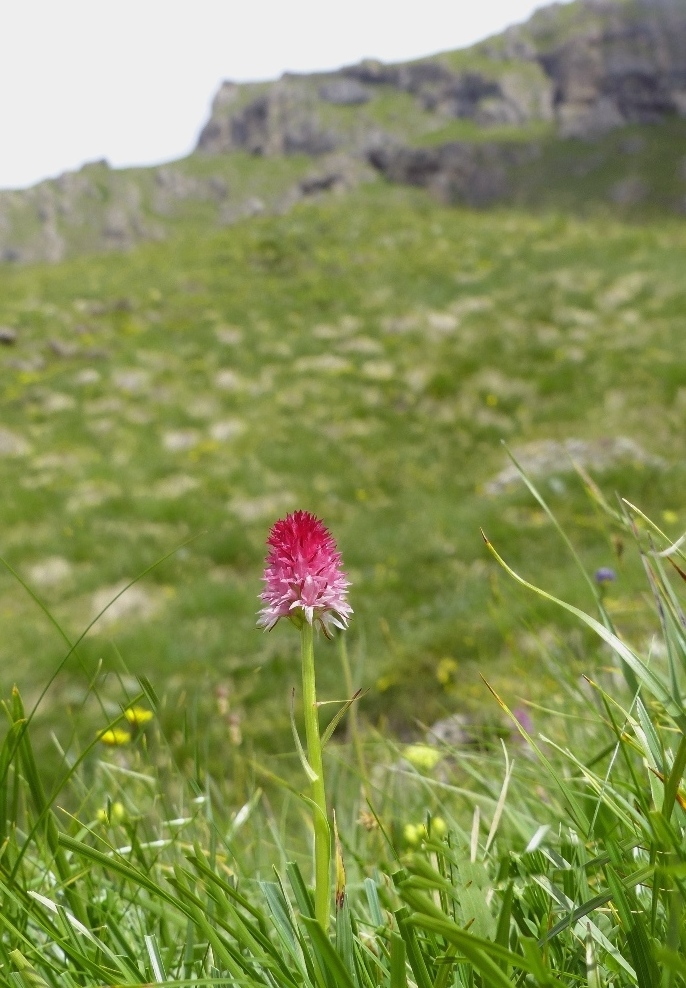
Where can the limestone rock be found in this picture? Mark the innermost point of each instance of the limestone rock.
(280, 118)
(629, 191)
(585, 68)
(318, 183)
(50, 572)
(286, 117)
(344, 92)
(137, 603)
(624, 63)
(476, 174)
(547, 457)
(451, 731)
(94, 208)
(12, 444)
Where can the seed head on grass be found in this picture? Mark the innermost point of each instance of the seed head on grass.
(113, 814)
(303, 575)
(422, 757)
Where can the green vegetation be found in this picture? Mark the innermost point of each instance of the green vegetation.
(468, 130)
(359, 357)
(552, 856)
(507, 777)
(633, 173)
(362, 357)
(636, 172)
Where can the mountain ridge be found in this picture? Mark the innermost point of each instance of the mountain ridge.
(470, 125)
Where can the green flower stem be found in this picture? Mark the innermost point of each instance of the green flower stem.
(322, 834)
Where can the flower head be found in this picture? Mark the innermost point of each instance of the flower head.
(138, 716)
(303, 575)
(605, 575)
(114, 736)
(523, 718)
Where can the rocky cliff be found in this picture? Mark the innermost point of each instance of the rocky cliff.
(510, 119)
(587, 66)
(365, 105)
(611, 62)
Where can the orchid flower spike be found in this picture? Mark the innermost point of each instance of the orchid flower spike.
(303, 575)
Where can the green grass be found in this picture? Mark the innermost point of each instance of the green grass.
(635, 172)
(551, 855)
(468, 130)
(361, 358)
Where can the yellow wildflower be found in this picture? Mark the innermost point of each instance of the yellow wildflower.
(445, 670)
(115, 736)
(138, 716)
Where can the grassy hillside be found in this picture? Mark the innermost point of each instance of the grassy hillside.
(634, 172)
(361, 357)
(103, 209)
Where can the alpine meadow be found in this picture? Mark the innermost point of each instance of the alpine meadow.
(414, 335)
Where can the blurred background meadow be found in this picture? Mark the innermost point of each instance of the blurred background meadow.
(309, 312)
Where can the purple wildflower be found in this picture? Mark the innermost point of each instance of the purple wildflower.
(605, 575)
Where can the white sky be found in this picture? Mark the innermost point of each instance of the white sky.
(132, 80)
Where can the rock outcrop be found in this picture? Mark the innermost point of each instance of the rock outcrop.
(517, 96)
(281, 118)
(294, 115)
(459, 171)
(95, 207)
(611, 62)
(464, 124)
(588, 66)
